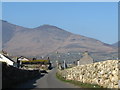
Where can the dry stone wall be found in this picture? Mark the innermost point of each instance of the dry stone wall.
(12, 76)
(102, 73)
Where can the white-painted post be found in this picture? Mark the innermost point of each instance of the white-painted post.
(78, 63)
(64, 64)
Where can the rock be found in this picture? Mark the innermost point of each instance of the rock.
(106, 82)
(114, 72)
(115, 86)
(114, 79)
(102, 72)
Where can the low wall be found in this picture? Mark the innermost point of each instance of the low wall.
(102, 73)
(12, 76)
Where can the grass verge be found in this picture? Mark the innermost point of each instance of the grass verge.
(78, 83)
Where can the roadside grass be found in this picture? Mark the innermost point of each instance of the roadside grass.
(78, 83)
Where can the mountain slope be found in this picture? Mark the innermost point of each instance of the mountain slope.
(8, 31)
(45, 39)
(117, 44)
(81, 43)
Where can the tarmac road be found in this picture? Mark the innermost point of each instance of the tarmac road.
(47, 81)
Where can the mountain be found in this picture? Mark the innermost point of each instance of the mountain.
(46, 39)
(117, 44)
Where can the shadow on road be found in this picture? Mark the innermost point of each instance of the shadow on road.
(44, 71)
(31, 84)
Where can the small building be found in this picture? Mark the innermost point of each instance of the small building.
(6, 59)
(23, 59)
(86, 59)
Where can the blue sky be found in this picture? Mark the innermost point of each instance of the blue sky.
(97, 20)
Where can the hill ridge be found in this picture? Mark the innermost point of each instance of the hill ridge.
(46, 39)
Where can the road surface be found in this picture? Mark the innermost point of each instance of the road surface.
(47, 81)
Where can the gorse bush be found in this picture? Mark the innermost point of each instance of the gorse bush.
(35, 62)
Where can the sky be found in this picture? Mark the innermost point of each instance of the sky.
(97, 20)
